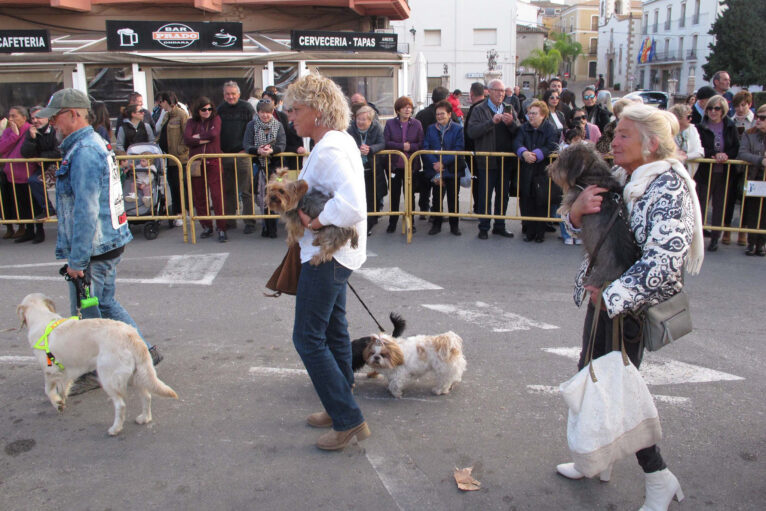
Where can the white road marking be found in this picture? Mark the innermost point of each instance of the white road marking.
(663, 372)
(489, 316)
(550, 390)
(396, 279)
(191, 269)
(408, 485)
(279, 371)
(16, 359)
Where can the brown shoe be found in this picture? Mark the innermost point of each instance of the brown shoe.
(335, 440)
(8, 232)
(319, 420)
(742, 239)
(726, 238)
(21, 231)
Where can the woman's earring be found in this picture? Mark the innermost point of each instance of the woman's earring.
(316, 121)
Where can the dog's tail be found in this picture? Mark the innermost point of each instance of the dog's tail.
(448, 345)
(146, 376)
(399, 324)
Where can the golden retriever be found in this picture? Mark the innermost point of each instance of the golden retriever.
(112, 348)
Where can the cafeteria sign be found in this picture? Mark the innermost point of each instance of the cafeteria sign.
(24, 41)
(173, 35)
(314, 40)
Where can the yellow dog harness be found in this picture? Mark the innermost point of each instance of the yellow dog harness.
(42, 342)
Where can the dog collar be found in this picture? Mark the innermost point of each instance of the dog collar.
(42, 342)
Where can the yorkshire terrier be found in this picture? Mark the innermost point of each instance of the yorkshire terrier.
(402, 360)
(577, 167)
(287, 197)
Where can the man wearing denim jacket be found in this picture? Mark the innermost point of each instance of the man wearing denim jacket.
(92, 224)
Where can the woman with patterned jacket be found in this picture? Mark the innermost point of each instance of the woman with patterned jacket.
(665, 218)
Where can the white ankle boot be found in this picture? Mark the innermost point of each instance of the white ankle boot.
(661, 487)
(569, 471)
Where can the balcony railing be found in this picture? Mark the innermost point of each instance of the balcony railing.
(667, 25)
(666, 56)
(691, 55)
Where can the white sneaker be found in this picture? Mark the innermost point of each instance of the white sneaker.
(569, 241)
(130, 196)
(578, 241)
(147, 201)
(178, 222)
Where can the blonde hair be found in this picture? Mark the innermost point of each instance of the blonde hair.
(619, 105)
(654, 124)
(680, 110)
(366, 109)
(322, 95)
(541, 106)
(718, 100)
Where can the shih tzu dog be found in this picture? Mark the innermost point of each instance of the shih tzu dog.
(287, 197)
(577, 167)
(402, 360)
(358, 346)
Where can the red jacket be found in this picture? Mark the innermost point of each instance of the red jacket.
(455, 102)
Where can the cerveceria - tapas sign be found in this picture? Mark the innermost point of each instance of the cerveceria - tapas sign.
(314, 40)
(173, 35)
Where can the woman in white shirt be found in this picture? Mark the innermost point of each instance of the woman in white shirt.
(688, 139)
(318, 109)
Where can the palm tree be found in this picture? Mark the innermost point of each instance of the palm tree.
(567, 47)
(544, 62)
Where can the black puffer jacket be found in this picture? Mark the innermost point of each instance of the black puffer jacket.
(44, 145)
(730, 138)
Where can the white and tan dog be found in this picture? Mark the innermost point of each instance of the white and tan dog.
(401, 360)
(114, 349)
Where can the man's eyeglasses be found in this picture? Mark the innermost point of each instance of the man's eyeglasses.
(761, 117)
(716, 108)
(498, 90)
(579, 118)
(589, 96)
(56, 115)
(264, 100)
(206, 109)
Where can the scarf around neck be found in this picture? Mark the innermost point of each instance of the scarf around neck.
(640, 180)
(265, 133)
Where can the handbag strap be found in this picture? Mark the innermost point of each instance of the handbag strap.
(617, 335)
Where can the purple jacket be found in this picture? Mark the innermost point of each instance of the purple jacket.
(392, 134)
(10, 147)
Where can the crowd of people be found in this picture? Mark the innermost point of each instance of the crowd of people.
(714, 123)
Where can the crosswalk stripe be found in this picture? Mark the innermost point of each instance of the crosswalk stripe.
(489, 316)
(396, 279)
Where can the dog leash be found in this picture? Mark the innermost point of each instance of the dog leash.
(365, 306)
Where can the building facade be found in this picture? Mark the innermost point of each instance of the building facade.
(619, 37)
(580, 21)
(80, 54)
(454, 37)
(676, 33)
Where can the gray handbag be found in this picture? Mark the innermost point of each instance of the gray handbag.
(667, 321)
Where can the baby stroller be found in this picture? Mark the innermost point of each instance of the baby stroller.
(144, 190)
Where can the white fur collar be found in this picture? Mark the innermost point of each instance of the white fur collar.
(640, 180)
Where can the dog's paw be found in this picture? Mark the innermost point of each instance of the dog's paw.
(143, 419)
(373, 374)
(60, 406)
(114, 430)
(440, 390)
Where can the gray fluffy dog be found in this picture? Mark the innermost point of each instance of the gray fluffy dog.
(577, 167)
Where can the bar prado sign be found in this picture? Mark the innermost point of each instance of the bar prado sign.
(24, 41)
(313, 40)
(173, 35)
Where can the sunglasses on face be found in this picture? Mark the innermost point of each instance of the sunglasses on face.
(206, 109)
(589, 96)
(761, 117)
(578, 118)
(716, 108)
(554, 98)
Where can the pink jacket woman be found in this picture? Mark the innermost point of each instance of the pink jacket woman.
(10, 147)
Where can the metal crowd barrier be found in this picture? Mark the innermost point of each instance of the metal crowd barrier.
(734, 190)
(249, 190)
(383, 161)
(9, 204)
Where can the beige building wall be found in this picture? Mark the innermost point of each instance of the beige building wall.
(581, 22)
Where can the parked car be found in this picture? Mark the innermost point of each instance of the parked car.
(653, 98)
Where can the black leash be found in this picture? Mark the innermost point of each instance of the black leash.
(365, 306)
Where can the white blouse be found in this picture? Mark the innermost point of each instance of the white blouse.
(335, 168)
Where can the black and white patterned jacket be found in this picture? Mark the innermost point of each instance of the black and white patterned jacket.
(662, 220)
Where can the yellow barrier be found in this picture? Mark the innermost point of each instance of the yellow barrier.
(387, 158)
(9, 206)
(31, 165)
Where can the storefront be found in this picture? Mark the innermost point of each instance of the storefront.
(108, 64)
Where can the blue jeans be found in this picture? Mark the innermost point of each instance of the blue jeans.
(39, 194)
(102, 277)
(320, 335)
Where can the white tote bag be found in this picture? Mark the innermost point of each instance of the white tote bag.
(611, 412)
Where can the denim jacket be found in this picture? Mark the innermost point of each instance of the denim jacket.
(89, 223)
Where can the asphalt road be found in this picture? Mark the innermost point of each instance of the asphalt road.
(236, 439)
